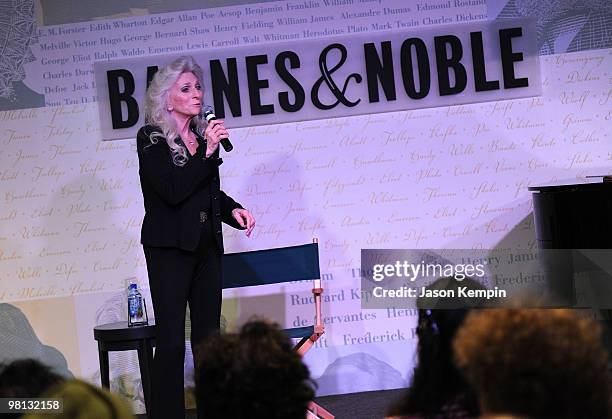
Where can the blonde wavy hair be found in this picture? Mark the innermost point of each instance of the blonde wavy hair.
(156, 105)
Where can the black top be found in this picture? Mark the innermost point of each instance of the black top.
(175, 195)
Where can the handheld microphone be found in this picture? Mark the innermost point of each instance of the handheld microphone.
(209, 115)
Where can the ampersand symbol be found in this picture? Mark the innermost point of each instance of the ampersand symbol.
(329, 81)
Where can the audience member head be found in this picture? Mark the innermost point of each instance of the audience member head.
(26, 378)
(535, 363)
(437, 385)
(252, 374)
(82, 400)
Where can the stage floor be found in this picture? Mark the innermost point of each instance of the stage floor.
(367, 405)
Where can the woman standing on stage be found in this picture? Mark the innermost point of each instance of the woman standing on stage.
(181, 235)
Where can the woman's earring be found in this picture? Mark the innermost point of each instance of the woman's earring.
(170, 109)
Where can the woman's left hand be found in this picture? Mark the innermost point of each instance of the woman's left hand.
(245, 219)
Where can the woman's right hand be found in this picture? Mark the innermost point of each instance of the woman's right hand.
(214, 132)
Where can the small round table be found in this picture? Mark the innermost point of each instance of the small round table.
(119, 337)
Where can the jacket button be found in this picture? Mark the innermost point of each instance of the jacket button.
(215, 178)
(215, 197)
(219, 231)
(218, 214)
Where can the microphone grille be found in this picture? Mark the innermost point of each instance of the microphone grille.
(208, 110)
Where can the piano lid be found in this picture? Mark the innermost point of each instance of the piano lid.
(588, 183)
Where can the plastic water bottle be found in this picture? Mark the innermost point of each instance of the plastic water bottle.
(137, 311)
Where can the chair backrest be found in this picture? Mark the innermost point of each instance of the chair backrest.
(271, 266)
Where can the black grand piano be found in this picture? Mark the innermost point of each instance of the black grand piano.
(579, 216)
(573, 216)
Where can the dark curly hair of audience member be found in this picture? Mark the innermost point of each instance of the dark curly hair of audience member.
(438, 388)
(536, 363)
(254, 374)
(26, 378)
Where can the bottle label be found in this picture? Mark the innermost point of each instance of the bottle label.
(135, 304)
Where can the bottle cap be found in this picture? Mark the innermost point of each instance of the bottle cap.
(133, 286)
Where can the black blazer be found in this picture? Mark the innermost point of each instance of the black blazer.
(174, 195)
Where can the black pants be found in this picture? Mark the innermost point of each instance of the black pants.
(178, 277)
